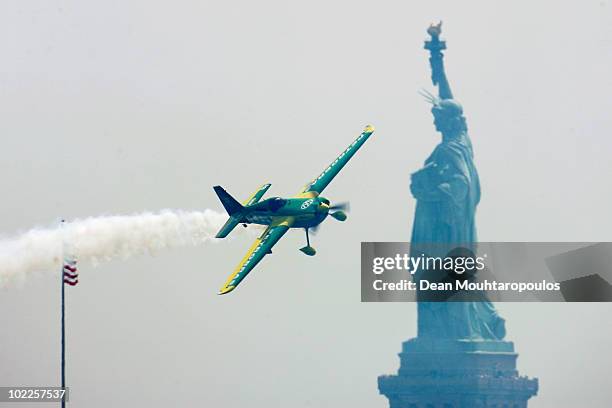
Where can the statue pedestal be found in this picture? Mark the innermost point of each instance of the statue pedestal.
(438, 373)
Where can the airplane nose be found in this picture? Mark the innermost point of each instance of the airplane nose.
(324, 208)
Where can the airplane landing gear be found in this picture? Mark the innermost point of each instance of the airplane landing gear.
(308, 250)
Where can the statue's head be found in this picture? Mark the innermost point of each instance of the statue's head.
(448, 117)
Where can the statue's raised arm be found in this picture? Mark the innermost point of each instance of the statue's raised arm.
(436, 60)
(448, 113)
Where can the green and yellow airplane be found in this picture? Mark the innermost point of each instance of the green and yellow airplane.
(306, 210)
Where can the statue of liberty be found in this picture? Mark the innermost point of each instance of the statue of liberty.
(447, 190)
(459, 358)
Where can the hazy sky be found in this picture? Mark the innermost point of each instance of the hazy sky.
(116, 107)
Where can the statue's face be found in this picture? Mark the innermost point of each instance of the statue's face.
(445, 113)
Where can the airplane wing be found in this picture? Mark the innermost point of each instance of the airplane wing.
(317, 185)
(262, 246)
(257, 195)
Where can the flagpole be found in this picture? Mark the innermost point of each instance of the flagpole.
(63, 341)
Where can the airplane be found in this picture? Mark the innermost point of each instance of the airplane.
(305, 210)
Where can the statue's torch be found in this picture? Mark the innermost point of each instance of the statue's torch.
(435, 47)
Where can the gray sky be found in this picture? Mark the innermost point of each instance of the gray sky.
(117, 107)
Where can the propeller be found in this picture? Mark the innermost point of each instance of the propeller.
(343, 206)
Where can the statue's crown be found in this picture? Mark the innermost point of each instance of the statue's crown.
(449, 107)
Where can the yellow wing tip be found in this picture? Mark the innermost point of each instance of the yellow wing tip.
(368, 129)
(226, 289)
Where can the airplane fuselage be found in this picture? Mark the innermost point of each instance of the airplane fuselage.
(306, 212)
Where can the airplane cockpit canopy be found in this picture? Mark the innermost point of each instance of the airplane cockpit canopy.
(275, 203)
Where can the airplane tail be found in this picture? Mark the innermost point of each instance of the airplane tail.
(233, 208)
(228, 227)
(231, 205)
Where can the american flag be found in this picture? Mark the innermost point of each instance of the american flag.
(71, 276)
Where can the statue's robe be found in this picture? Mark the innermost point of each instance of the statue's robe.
(448, 191)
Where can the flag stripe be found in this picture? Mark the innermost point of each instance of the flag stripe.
(71, 275)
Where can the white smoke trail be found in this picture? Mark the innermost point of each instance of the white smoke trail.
(99, 239)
